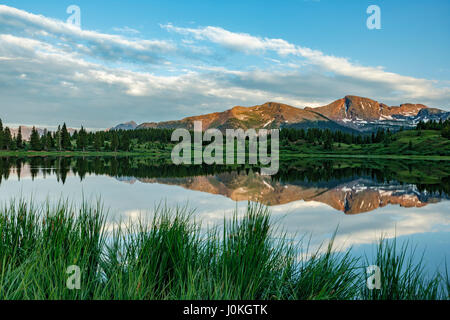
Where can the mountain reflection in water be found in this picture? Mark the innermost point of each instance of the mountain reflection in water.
(352, 197)
(349, 185)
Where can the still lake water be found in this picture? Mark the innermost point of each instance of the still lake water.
(364, 199)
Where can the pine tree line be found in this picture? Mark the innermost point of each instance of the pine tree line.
(63, 140)
(443, 126)
(7, 141)
(328, 137)
(125, 140)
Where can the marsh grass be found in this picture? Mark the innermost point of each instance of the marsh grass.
(37, 244)
(171, 257)
(403, 275)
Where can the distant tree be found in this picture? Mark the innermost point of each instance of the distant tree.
(380, 135)
(57, 139)
(446, 132)
(98, 143)
(7, 139)
(410, 145)
(65, 138)
(43, 141)
(50, 142)
(19, 140)
(124, 143)
(75, 135)
(420, 125)
(114, 142)
(1, 135)
(82, 139)
(12, 144)
(328, 144)
(35, 140)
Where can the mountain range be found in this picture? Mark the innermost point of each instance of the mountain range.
(349, 114)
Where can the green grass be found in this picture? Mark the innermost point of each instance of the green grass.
(172, 257)
(401, 277)
(284, 155)
(154, 153)
(425, 145)
(292, 156)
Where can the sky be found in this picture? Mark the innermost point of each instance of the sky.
(165, 60)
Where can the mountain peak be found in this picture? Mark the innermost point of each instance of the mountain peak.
(364, 109)
(130, 125)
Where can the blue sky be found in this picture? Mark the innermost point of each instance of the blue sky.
(163, 60)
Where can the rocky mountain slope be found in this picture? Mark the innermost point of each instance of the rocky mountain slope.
(358, 108)
(346, 114)
(267, 116)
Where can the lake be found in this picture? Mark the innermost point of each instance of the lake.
(363, 199)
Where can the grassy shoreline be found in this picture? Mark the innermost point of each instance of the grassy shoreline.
(170, 258)
(75, 153)
(166, 156)
(366, 156)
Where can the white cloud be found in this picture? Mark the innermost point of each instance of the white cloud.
(127, 30)
(412, 88)
(303, 218)
(94, 43)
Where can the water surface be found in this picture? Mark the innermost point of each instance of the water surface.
(364, 199)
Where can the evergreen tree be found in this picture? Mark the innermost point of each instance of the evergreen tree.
(124, 144)
(50, 141)
(1, 135)
(7, 139)
(65, 138)
(75, 135)
(43, 141)
(328, 144)
(446, 132)
(35, 141)
(57, 139)
(12, 144)
(114, 142)
(98, 141)
(19, 140)
(82, 139)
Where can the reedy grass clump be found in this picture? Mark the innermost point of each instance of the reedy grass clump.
(172, 257)
(403, 278)
(37, 244)
(326, 275)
